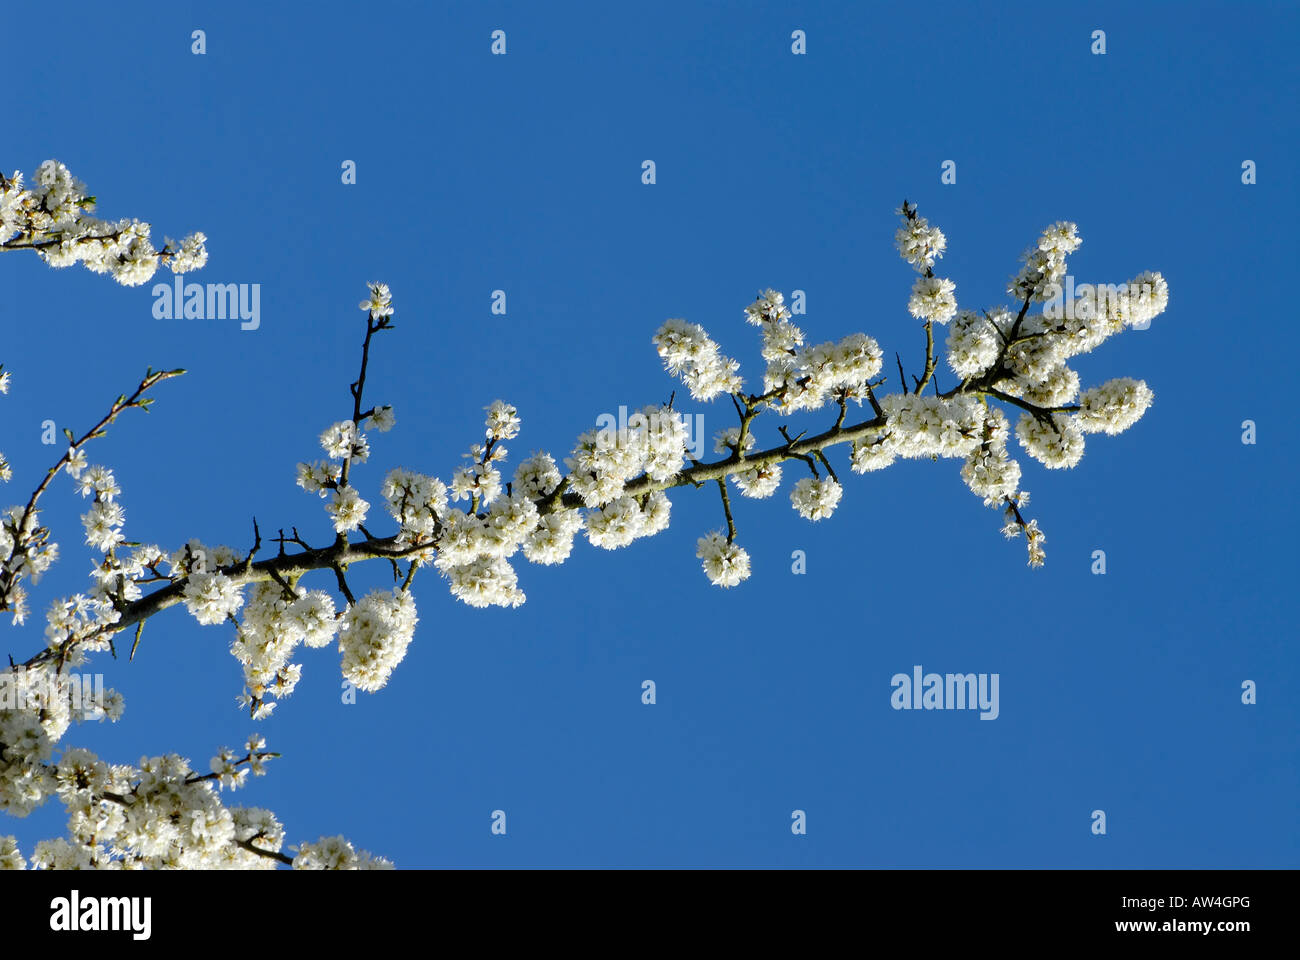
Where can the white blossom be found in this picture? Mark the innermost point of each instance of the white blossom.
(725, 564)
(380, 302)
(76, 462)
(918, 243)
(551, 541)
(337, 439)
(603, 461)
(815, 499)
(933, 298)
(1114, 406)
(346, 509)
(688, 352)
(191, 254)
(318, 477)
(373, 636)
(770, 306)
(930, 426)
(211, 597)
(758, 482)
(103, 523)
(485, 582)
(727, 440)
(502, 421)
(10, 856)
(416, 501)
(973, 344)
(1055, 442)
(1035, 537)
(100, 482)
(616, 524)
(537, 476)
(1043, 271)
(336, 853)
(872, 454)
(988, 471)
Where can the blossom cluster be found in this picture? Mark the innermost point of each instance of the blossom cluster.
(724, 563)
(816, 499)
(275, 621)
(603, 461)
(53, 218)
(801, 377)
(336, 853)
(158, 813)
(688, 352)
(933, 298)
(918, 243)
(374, 633)
(1043, 265)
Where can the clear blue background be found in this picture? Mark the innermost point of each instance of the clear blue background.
(476, 172)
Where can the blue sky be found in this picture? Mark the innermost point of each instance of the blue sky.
(523, 173)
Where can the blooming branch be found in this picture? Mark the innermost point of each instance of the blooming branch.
(615, 489)
(53, 218)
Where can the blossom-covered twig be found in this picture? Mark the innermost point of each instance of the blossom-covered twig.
(615, 489)
(53, 218)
